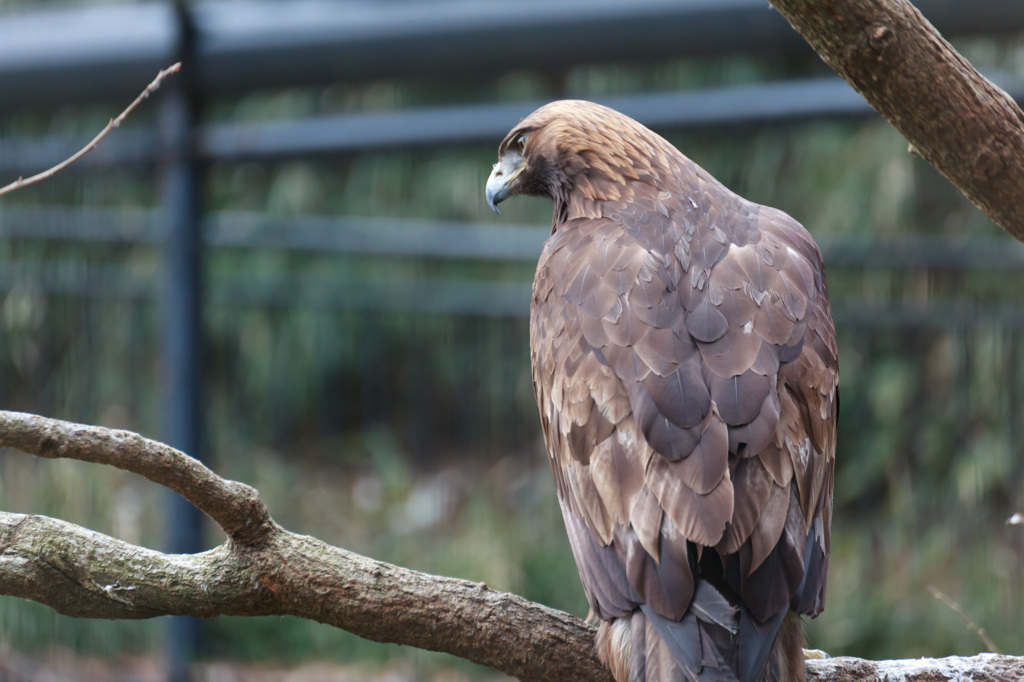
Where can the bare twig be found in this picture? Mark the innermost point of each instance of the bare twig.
(971, 625)
(113, 123)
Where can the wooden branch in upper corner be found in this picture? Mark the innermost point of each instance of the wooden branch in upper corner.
(264, 569)
(113, 123)
(963, 124)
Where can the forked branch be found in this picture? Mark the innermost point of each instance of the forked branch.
(264, 569)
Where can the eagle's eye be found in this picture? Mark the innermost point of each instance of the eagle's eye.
(519, 143)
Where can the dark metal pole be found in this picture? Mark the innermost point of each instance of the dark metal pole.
(182, 298)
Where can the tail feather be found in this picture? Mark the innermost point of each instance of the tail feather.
(755, 645)
(692, 646)
(715, 642)
(721, 636)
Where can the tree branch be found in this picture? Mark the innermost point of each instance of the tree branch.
(952, 669)
(963, 124)
(113, 123)
(82, 573)
(235, 507)
(264, 569)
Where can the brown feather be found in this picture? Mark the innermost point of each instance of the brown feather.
(770, 523)
(752, 486)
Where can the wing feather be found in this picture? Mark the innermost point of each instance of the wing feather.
(685, 370)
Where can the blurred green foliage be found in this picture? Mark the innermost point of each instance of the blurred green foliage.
(412, 437)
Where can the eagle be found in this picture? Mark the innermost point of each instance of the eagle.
(685, 368)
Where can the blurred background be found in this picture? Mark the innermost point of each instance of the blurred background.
(283, 263)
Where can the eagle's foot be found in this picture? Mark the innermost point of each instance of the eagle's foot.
(815, 653)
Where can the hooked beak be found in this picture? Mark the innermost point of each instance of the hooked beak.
(502, 182)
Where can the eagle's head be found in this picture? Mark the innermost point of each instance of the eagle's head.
(531, 156)
(574, 151)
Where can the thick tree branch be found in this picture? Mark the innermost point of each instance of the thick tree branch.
(81, 573)
(266, 570)
(965, 126)
(263, 569)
